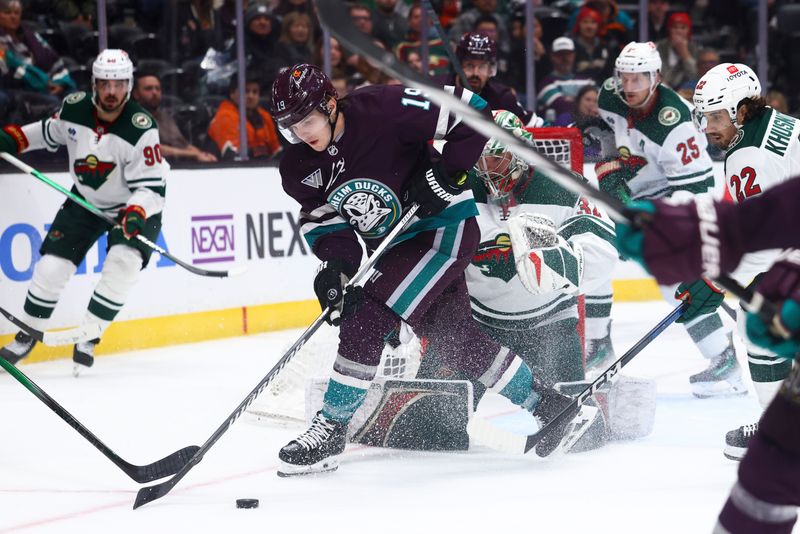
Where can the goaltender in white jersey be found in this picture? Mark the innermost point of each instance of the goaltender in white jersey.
(116, 164)
(762, 150)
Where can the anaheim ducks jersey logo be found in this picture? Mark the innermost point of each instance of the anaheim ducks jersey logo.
(92, 172)
(370, 207)
(495, 259)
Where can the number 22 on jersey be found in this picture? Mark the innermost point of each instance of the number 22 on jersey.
(744, 184)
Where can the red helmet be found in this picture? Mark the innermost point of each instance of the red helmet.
(477, 46)
(298, 91)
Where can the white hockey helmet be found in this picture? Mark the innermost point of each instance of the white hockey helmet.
(112, 64)
(498, 168)
(723, 87)
(638, 57)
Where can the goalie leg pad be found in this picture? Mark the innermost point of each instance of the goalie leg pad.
(423, 415)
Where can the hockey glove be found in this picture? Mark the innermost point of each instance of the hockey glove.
(545, 261)
(781, 285)
(434, 189)
(614, 174)
(12, 140)
(703, 296)
(330, 285)
(133, 221)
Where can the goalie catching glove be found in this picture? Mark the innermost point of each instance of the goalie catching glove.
(545, 261)
(434, 189)
(330, 286)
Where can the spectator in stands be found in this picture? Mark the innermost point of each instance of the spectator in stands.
(657, 19)
(557, 90)
(706, 60)
(414, 60)
(777, 101)
(262, 138)
(583, 108)
(199, 28)
(261, 44)
(515, 76)
(390, 27)
(616, 26)
(438, 62)
(338, 66)
(598, 138)
(147, 92)
(294, 45)
(466, 22)
(30, 68)
(592, 56)
(362, 20)
(81, 12)
(678, 52)
(368, 74)
(489, 26)
(341, 85)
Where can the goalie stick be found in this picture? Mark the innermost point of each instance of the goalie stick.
(140, 473)
(57, 337)
(24, 167)
(333, 16)
(151, 493)
(496, 438)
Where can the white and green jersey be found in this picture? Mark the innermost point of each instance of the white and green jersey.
(497, 295)
(765, 153)
(112, 166)
(675, 151)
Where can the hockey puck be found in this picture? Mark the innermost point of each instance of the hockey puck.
(246, 503)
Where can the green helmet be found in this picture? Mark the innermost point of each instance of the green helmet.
(498, 168)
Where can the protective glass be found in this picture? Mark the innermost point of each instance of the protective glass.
(711, 120)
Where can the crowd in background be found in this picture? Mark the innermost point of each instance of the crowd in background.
(185, 55)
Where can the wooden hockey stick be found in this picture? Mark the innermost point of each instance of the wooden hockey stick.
(333, 16)
(24, 167)
(151, 493)
(496, 438)
(140, 473)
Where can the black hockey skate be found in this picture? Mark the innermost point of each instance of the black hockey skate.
(18, 349)
(736, 441)
(722, 378)
(83, 356)
(551, 403)
(315, 450)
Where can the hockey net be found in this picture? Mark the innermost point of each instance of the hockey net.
(283, 402)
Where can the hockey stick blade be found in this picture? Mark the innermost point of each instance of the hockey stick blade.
(140, 473)
(56, 337)
(334, 17)
(24, 167)
(606, 377)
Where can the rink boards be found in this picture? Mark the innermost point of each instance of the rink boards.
(217, 219)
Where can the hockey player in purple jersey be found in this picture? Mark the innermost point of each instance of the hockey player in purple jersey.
(478, 56)
(354, 166)
(705, 238)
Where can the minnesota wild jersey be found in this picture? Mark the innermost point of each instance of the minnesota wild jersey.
(765, 153)
(675, 151)
(112, 165)
(497, 295)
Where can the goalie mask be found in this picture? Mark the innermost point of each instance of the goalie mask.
(499, 169)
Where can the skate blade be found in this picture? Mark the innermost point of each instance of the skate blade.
(78, 369)
(721, 389)
(734, 453)
(325, 466)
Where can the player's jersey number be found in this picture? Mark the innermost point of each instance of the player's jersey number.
(152, 155)
(689, 151)
(744, 184)
(416, 102)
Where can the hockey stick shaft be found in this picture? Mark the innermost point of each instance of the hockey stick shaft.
(445, 42)
(606, 377)
(58, 337)
(24, 167)
(333, 16)
(140, 473)
(151, 493)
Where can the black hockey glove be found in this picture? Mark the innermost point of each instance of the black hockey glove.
(330, 284)
(434, 189)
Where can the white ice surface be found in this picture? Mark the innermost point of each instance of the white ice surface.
(147, 404)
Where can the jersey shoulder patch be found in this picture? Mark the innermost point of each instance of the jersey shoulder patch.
(608, 100)
(78, 108)
(133, 123)
(670, 112)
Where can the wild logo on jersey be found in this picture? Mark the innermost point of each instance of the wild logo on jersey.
(495, 258)
(92, 172)
(368, 206)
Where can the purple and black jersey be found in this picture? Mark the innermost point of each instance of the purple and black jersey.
(356, 185)
(497, 96)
